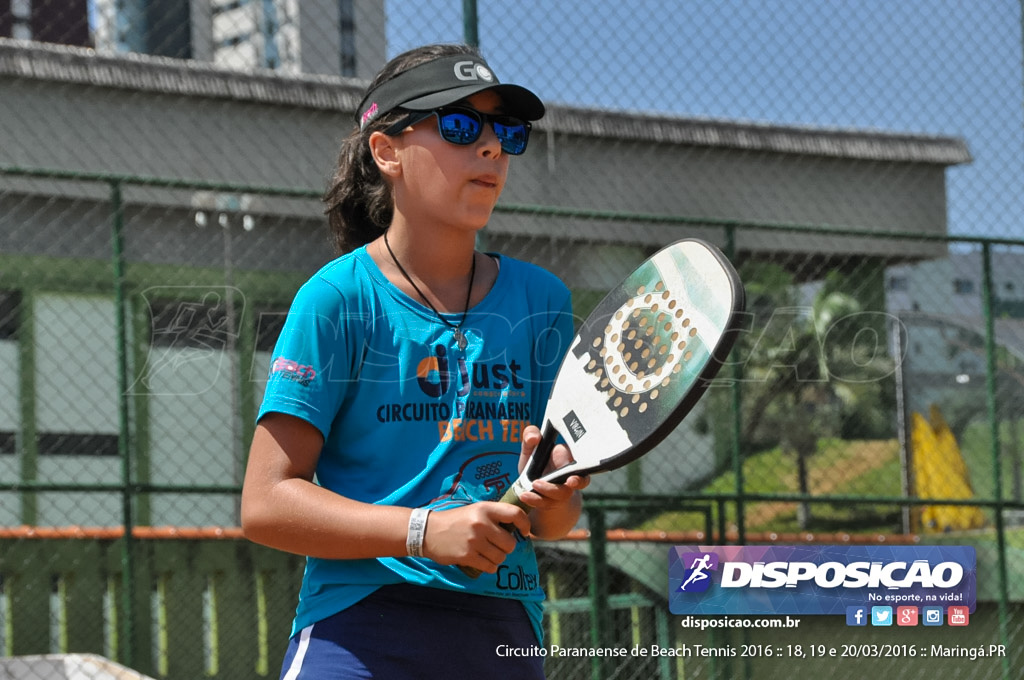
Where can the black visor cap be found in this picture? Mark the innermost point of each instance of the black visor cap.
(442, 82)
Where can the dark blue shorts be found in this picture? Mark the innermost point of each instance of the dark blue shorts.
(412, 632)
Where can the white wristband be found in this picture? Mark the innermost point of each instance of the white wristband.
(417, 531)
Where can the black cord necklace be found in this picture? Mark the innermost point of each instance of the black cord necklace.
(460, 337)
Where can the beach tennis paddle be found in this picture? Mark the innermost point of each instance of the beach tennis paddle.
(638, 364)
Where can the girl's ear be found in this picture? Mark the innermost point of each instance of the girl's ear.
(385, 155)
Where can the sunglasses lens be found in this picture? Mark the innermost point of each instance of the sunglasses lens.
(459, 128)
(464, 127)
(512, 133)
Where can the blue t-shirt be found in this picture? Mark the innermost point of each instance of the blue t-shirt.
(409, 418)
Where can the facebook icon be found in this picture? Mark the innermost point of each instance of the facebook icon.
(856, 616)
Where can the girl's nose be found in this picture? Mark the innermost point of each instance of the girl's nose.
(488, 143)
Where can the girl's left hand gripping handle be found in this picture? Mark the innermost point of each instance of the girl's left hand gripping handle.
(511, 496)
(538, 462)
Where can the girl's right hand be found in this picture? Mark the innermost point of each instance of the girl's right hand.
(473, 535)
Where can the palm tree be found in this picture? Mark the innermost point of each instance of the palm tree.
(811, 372)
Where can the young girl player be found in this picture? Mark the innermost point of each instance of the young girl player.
(401, 392)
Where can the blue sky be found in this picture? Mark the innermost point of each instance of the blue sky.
(940, 67)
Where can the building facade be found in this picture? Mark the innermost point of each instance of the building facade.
(338, 38)
(54, 21)
(941, 306)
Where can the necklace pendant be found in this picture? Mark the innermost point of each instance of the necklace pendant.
(460, 337)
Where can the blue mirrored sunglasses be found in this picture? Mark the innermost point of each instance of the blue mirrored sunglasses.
(463, 126)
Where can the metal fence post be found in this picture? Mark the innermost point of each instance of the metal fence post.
(993, 419)
(29, 472)
(597, 566)
(123, 448)
(902, 424)
(470, 23)
(737, 421)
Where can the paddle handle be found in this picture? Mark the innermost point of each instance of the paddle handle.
(534, 468)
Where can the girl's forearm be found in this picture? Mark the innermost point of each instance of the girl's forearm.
(300, 517)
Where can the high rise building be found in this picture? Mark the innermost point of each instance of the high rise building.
(53, 21)
(330, 37)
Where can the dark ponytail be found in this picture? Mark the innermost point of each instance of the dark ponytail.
(359, 202)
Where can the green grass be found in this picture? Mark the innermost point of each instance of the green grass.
(977, 450)
(868, 468)
(845, 468)
(761, 474)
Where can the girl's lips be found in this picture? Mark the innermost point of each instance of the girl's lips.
(486, 180)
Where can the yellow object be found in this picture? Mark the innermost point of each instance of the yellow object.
(940, 472)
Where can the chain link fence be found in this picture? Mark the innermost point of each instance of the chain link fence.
(161, 164)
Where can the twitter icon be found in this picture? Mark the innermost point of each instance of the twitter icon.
(881, 616)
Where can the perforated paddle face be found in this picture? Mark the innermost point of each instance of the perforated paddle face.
(639, 363)
(644, 357)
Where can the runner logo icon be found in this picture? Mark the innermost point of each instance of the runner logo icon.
(696, 577)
